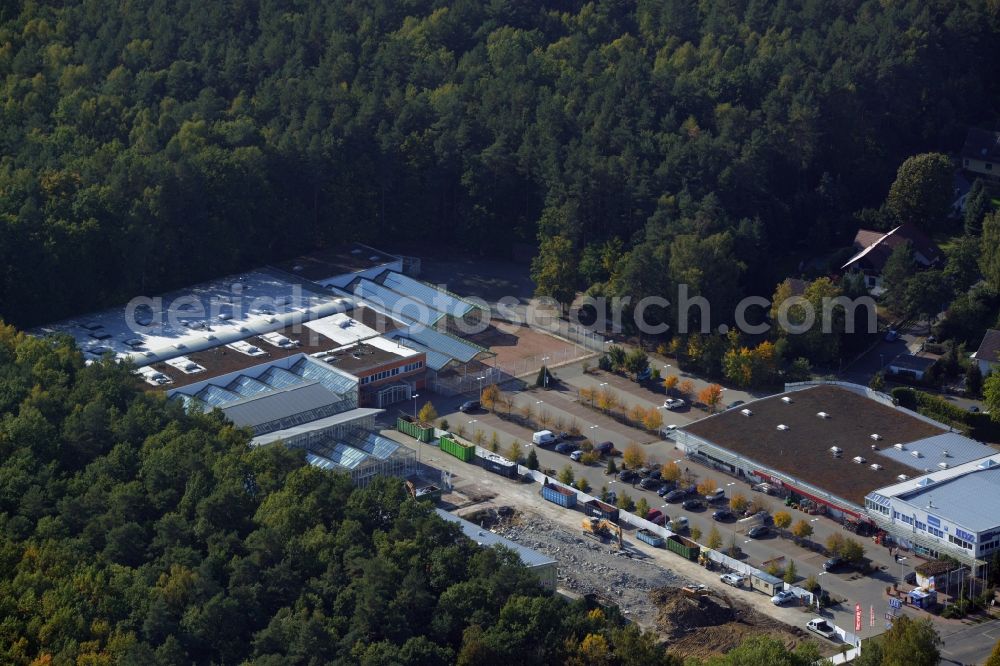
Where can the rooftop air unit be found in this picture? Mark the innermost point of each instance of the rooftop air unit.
(746, 412)
(902, 477)
(945, 454)
(782, 426)
(899, 447)
(836, 451)
(916, 454)
(876, 436)
(876, 467)
(943, 465)
(874, 447)
(786, 400)
(859, 460)
(822, 415)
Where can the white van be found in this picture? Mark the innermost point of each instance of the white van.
(718, 494)
(543, 437)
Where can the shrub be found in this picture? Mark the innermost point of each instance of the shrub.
(590, 457)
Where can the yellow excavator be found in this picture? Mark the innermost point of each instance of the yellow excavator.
(601, 529)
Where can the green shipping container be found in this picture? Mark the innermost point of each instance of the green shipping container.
(683, 547)
(418, 431)
(464, 452)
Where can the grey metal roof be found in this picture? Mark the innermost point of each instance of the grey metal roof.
(318, 424)
(435, 360)
(960, 449)
(378, 446)
(347, 457)
(436, 298)
(334, 380)
(396, 304)
(971, 500)
(531, 558)
(911, 362)
(216, 396)
(277, 405)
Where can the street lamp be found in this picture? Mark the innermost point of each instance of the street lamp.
(901, 578)
(415, 396)
(481, 387)
(545, 377)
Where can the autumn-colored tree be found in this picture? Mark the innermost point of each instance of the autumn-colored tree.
(802, 530)
(782, 519)
(737, 366)
(528, 412)
(594, 649)
(489, 397)
(835, 544)
(544, 417)
(674, 347)
(695, 533)
(514, 451)
(495, 442)
(652, 419)
(670, 382)
(566, 475)
(625, 502)
(636, 413)
(607, 400)
(711, 396)
(738, 503)
(686, 387)
(714, 538)
(583, 485)
(641, 507)
(707, 486)
(633, 457)
(590, 457)
(479, 437)
(427, 413)
(670, 472)
(587, 395)
(853, 551)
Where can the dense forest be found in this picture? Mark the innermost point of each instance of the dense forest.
(133, 533)
(148, 144)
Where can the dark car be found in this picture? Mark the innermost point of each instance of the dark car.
(911, 578)
(664, 489)
(644, 472)
(658, 517)
(692, 504)
(469, 406)
(758, 532)
(722, 514)
(566, 447)
(655, 474)
(604, 448)
(675, 496)
(649, 484)
(834, 563)
(734, 404)
(765, 518)
(628, 476)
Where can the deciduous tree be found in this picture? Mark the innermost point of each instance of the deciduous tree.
(633, 457)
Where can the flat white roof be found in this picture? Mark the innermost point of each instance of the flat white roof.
(222, 311)
(341, 328)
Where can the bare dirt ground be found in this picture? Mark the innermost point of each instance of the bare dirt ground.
(512, 343)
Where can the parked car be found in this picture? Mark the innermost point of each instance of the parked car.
(612, 497)
(834, 563)
(657, 516)
(628, 476)
(469, 406)
(692, 504)
(717, 494)
(765, 518)
(891, 335)
(649, 483)
(674, 403)
(675, 495)
(723, 514)
(604, 448)
(565, 447)
(664, 489)
(821, 627)
(543, 437)
(973, 409)
(734, 579)
(679, 524)
(782, 598)
(576, 455)
(734, 404)
(910, 578)
(758, 532)
(643, 472)
(655, 474)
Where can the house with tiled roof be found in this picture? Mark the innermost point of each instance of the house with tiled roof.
(873, 249)
(988, 354)
(981, 153)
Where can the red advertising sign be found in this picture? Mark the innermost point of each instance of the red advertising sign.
(857, 617)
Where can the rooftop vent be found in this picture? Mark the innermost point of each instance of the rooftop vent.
(297, 267)
(902, 477)
(876, 436)
(374, 257)
(987, 464)
(943, 465)
(822, 415)
(916, 454)
(782, 426)
(874, 447)
(356, 250)
(859, 460)
(899, 447)
(945, 454)
(786, 400)
(746, 412)
(876, 467)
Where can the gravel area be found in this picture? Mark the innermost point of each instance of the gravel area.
(587, 566)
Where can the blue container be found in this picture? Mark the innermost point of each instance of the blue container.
(654, 540)
(561, 496)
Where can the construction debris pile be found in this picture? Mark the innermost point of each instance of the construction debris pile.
(587, 566)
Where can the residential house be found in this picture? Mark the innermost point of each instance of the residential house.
(910, 366)
(981, 153)
(988, 354)
(873, 249)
